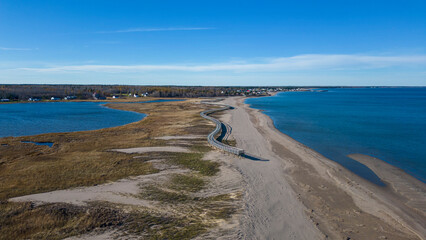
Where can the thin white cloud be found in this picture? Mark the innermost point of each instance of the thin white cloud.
(106, 42)
(130, 30)
(295, 63)
(14, 49)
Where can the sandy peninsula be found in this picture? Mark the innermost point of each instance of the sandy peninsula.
(160, 173)
(292, 192)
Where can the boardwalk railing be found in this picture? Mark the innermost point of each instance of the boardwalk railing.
(211, 137)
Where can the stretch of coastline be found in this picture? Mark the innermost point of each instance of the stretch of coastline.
(282, 190)
(296, 193)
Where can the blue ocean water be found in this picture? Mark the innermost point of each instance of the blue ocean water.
(23, 119)
(387, 123)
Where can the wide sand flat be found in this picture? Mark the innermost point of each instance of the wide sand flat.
(272, 210)
(123, 191)
(152, 149)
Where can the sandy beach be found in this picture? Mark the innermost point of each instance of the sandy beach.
(296, 193)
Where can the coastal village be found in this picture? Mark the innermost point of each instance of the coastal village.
(100, 95)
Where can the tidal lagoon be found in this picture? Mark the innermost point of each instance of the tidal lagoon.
(23, 119)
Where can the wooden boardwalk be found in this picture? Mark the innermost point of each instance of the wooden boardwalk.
(219, 127)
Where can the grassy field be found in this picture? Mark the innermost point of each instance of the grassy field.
(85, 159)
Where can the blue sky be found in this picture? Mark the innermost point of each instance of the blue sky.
(213, 42)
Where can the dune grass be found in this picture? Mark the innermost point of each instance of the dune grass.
(54, 221)
(58, 221)
(190, 182)
(194, 162)
(84, 159)
(68, 170)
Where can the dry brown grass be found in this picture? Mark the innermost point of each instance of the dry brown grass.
(58, 221)
(84, 159)
(54, 221)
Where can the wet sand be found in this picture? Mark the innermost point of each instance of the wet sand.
(299, 194)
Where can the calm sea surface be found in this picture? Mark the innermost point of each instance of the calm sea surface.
(387, 123)
(22, 119)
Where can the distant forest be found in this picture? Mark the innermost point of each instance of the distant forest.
(19, 92)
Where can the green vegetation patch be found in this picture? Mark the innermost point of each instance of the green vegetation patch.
(195, 162)
(163, 227)
(222, 211)
(162, 195)
(191, 183)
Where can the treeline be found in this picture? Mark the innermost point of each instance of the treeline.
(24, 92)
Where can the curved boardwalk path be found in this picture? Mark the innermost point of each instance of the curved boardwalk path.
(225, 128)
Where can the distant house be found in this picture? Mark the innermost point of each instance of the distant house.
(33, 99)
(55, 98)
(115, 96)
(4, 100)
(135, 95)
(70, 97)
